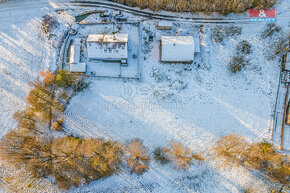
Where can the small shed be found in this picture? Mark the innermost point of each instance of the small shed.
(177, 49)
(196, 45)
(75, 54)
(77, 67)
(164, 25)
(75, 51)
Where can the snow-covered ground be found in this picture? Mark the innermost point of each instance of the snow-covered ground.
(213, 103)
(199, 103)
(24, 52)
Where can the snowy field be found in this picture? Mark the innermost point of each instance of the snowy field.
(199, 102)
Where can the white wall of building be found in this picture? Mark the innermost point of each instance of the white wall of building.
(108, 47)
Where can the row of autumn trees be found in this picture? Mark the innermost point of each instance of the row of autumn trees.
(206, 6)
(75, 161)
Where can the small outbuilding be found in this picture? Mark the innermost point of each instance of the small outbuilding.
(78, 67)
(164, 25)
(177, 49)
(196, 45)
(75, 54)
(108, 47)
(286, 62)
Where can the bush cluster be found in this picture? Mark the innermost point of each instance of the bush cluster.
(239, 61)
(271, 28)
(48, 24)
(262, 156)
(244, 48)
(220, 33)
(237, 64)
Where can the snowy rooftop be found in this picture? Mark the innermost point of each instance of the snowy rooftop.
(78, 67)
(196, 45)
(177, 48)
(105, 38)
(75, 51)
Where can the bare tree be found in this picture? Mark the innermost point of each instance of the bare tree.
(43, 102)
(280, 175)
(262, 156)
(182, 156)
(138, 158)
(80, 161)
(27, 121)
(33, 153)
(231, 149)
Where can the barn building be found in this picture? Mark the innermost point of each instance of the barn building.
(179, 49)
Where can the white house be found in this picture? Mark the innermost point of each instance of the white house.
(177, 49)
(75, 54)
(108, 47)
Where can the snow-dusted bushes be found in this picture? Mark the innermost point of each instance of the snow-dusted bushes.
(220, 33)
(160, 155)
(237, 64)
(244, 48)
(271, 28)
(207, 6)
(67, 80)
(48, 24)
(239, 61)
